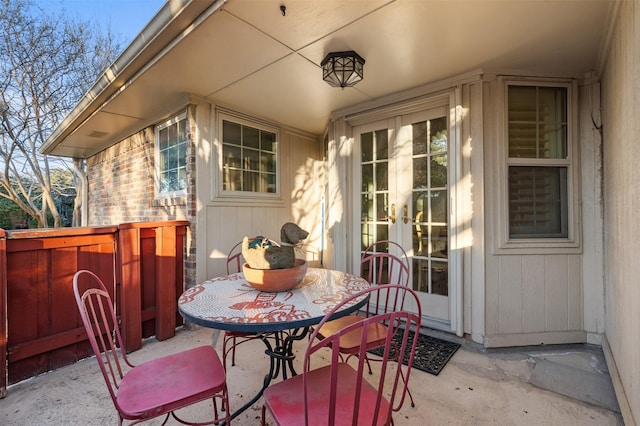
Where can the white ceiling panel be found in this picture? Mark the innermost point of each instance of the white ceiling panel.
(304, 22)
(291, 92)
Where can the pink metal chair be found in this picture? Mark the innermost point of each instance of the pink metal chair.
(154, 388)
(232, 339)
(235, 260)
(339, 393)
(378, 267)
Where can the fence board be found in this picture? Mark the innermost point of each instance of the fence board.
(40, 328)
(148, 280)
(130, 287)
(165, 256)
(3, 314)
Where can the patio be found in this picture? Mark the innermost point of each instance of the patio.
(477, 387)
(463, 61)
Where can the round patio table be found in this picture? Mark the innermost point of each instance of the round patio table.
(231, 303)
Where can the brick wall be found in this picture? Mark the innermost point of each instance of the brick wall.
(191, 203)
(121, 188)
(121, 183)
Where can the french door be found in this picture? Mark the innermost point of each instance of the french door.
(402, 169)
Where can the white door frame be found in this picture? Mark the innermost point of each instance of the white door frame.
(452, 100)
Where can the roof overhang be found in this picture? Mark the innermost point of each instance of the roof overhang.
(246, 55)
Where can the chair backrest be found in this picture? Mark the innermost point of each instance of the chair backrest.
(100, 323)
(235, 260)
(379, 266)
(387, 246)
(394, 377)
(311, 253)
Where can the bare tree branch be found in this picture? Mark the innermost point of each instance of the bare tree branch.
(46, 64)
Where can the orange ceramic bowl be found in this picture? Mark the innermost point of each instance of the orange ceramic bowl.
(272, 280)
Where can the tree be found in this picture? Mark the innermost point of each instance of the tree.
(46, 64)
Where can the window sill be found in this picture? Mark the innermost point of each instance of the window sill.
(169, 201)
(252, 199)
(542, 246)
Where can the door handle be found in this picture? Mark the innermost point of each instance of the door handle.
(392, 216)
(405, 214)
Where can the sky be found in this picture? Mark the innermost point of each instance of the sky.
(126, 18)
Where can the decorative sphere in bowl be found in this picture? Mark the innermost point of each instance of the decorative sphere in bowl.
(273, 280)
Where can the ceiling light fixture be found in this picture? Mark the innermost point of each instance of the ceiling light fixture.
(342, 69)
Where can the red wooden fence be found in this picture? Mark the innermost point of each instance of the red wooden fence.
(40, 328)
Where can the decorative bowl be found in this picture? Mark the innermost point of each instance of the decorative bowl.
(273, 280)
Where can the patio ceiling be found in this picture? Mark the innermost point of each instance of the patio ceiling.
(245, 55)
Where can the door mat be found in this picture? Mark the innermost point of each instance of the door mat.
(432, 354)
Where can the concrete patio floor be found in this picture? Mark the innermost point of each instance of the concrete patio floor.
(516, 386)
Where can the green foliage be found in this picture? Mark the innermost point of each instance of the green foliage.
(11, 216)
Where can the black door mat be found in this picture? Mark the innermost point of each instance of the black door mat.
(432, 354)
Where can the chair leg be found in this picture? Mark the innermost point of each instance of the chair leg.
(216, 416)
(224, 408)
(233, 352)
(413, 404)
(366, 358)
(399, 361)
(262, 418)
(224, 353)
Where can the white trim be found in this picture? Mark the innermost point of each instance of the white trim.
(455, 213)
(474, 219)
(535, 339)
(398, 109)
(613, 14)
(224, 197)
(339, 206)
(428, 91)
(156, 155)
(618, 385)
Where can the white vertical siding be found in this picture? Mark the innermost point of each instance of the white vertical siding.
(534, 295)
(534, 299)
(227, 222)
(621, 153)
(473, 139)
(509, 287)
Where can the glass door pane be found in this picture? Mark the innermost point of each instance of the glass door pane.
(430, 196)
(374, 193)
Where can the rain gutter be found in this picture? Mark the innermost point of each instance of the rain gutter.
(169, 24)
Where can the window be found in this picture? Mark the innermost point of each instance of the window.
(249, 157)
(539, 162)
(171, 157)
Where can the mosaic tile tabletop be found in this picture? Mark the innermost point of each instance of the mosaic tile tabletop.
(230, 303)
